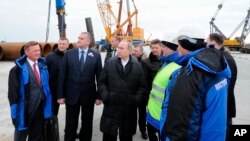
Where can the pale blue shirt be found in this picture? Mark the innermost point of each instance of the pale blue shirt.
(85, 53)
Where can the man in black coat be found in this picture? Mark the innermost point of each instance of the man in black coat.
(151, 65)
(121, 87)
(77, 87)
(215, 40)
(54, 62)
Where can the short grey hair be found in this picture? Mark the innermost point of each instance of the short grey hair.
(130, 44)
(89, 36)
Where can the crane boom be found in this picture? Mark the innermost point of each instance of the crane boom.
(246, 28)
(213, 27)
(109, 19)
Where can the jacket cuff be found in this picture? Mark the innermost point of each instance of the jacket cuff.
(13, 108)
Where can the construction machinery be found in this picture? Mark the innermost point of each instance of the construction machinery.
(60, 11)
(238, 42)
(115, 26)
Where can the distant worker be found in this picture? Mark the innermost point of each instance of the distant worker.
(195, 103)
(215, 40)
(29, 94)
(159, 85)
(80, 69)
(140, 55)
(54, 62)
(121, 88)
(112, 50)
(151, 65)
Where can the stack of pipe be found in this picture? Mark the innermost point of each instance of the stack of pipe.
(13, 50)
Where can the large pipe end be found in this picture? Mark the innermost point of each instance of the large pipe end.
(55, 46)
(71, 46)
(46, 50)
(1, 53)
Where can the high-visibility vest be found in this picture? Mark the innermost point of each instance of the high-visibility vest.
(157, 93)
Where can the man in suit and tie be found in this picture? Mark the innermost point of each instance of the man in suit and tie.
(77, 87)
(29, 94)
(112, 50)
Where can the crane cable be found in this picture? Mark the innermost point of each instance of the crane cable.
(48, 23)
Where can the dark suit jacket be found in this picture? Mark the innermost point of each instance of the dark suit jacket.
(76, 85)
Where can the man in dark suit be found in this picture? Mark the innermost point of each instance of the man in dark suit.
(29, 94)
(112, 49)
(77, 87)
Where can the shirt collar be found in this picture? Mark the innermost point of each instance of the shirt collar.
(31, 62)
(85, 50)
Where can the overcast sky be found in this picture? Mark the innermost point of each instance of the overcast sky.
(24, 20)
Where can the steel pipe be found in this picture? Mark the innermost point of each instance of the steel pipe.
(1, 53)
(11, 50)
(46, 49)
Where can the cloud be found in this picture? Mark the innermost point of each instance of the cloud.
(26, 20)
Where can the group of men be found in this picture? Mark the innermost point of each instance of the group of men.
(183, 91)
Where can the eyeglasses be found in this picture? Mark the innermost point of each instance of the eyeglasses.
(184, 37)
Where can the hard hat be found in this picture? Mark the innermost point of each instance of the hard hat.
(192, 32)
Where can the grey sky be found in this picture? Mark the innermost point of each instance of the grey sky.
(24, 20)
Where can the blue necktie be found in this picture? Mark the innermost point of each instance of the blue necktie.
(82, 59)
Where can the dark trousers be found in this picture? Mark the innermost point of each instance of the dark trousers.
(55, 107)
(152, 133)
(142, 118)
(35, 125)
(108, 137)
(229, 123)
(72, 115)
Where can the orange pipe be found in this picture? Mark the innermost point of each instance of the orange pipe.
(14, 50)
(1, 53)
(11, 50)
(46, 48)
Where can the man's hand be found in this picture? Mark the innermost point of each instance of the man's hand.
(98, 101)
(61, 101)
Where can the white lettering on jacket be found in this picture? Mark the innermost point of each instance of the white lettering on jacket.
(221, 84)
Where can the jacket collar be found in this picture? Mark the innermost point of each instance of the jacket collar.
(21, 61)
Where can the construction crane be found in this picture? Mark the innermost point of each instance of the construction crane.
(244, 34)
(237, 42)
(115, 26)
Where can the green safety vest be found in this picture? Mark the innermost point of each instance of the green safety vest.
(157, 93)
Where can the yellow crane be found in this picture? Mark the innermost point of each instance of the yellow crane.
(238, 42)
(115, 26)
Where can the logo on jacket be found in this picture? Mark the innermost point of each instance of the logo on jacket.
(221, 84)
